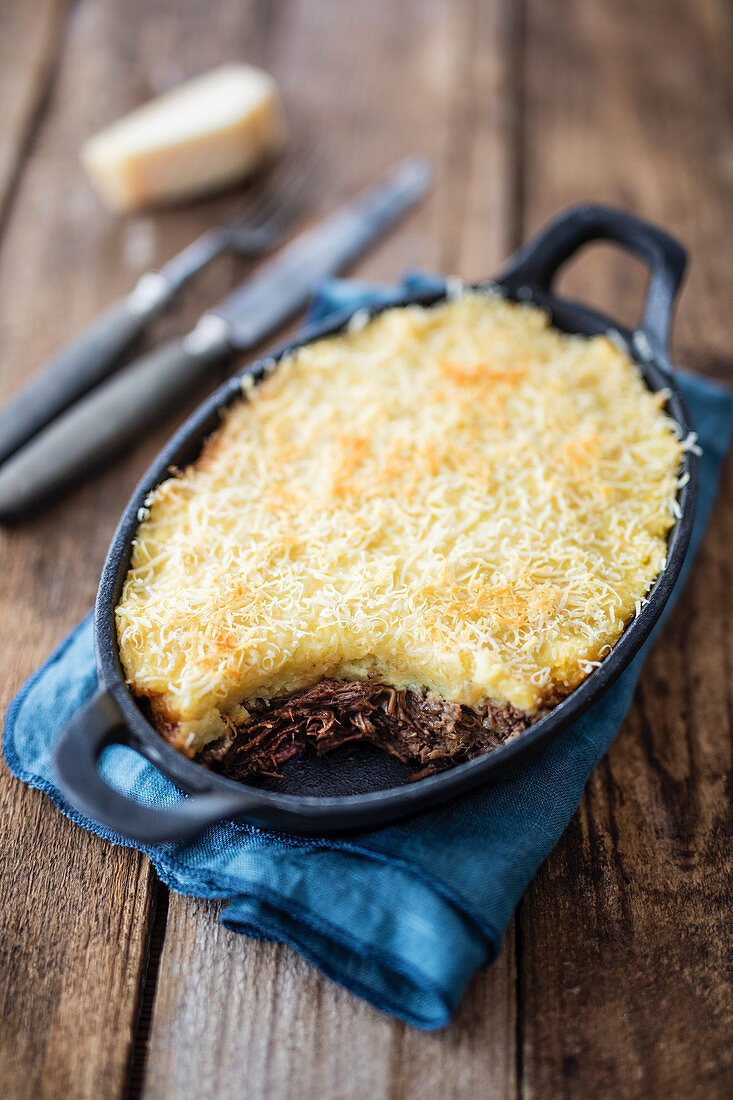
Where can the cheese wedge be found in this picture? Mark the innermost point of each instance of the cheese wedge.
(207, 134)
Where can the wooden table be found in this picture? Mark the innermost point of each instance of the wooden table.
(615, 977)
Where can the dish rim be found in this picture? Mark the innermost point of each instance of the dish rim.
(358, 810)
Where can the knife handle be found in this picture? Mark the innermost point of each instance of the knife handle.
(81, 364)
(107, 420)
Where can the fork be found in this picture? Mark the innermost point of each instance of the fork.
(258, 227)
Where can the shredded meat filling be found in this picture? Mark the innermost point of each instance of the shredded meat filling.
(420, 729)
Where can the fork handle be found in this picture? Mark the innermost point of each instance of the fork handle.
(78, 367)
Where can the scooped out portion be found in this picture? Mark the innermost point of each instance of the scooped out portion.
(458, 508)
(418, 728)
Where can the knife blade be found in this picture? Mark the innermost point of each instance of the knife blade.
(318, 253)
(114, 415)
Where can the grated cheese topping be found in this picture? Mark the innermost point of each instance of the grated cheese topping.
(458, 498)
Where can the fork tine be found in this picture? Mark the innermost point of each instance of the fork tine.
(290, 199)
(255, 199)
(277, 194)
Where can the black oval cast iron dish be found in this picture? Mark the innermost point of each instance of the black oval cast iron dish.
(359, 787)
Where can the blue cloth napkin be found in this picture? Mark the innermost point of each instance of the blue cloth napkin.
(403, 916)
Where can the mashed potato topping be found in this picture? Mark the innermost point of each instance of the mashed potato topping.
(458, 498)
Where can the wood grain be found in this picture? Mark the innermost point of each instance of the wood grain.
(74, 918)
(72, 952)
(279, 1029)
(616, 978)
(287, 1031)
(29, 45)
(626, 963)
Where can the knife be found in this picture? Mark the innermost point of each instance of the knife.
(114, 415)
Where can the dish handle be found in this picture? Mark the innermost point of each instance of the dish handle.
(86, 735)
(536, 264)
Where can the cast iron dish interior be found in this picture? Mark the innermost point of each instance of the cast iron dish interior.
(357, 786)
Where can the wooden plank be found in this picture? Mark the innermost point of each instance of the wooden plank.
(73, 930)
(232, 1015)
(75, 915)
(30, 39)
(74, 918)
(626, 966)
